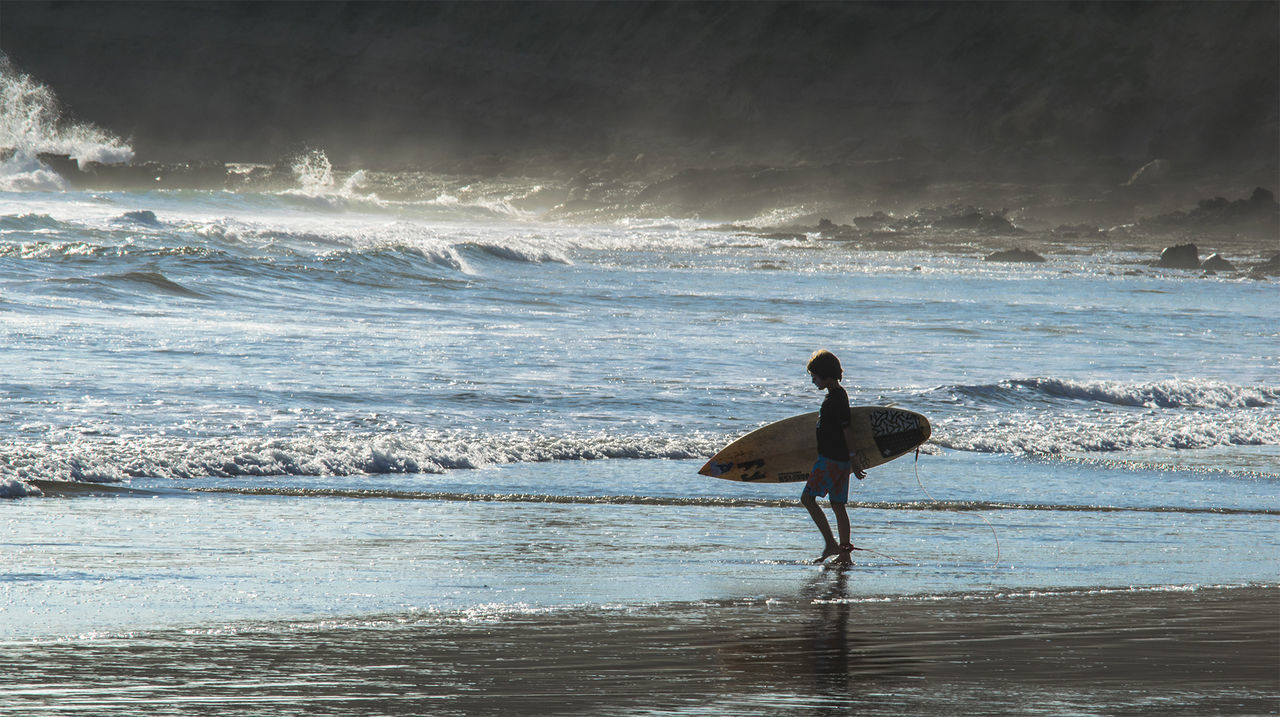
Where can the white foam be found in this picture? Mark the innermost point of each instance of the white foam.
(1048, 433)
(13, 488)
(31, 122)
(117, 459)
(24, 173)
(1172, 393)
(1054, 416)
(314, 172)
(496, 207)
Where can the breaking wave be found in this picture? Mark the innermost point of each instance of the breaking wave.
(22, 172)
(1050, 416)
(1172, 393)
(143, 234)
(115, 460)
(32, 122)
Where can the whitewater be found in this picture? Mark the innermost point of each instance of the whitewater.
(409, 404)
(318, 331)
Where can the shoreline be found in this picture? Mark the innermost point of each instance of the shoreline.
(1137, 651)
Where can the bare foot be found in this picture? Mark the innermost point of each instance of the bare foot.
(846, 554)
(831, 549)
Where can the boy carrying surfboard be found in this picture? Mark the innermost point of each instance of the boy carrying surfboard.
(831, 471)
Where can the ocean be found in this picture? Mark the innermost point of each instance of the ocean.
(401, 443)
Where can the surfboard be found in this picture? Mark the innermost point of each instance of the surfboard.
(784, 452)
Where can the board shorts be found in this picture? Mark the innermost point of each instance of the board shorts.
(829, 476)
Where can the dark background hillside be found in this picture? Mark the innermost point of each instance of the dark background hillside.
(1012, 88)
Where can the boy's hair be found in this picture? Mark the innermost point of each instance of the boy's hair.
(824, 363)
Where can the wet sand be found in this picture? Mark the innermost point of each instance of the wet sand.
(1132, 651)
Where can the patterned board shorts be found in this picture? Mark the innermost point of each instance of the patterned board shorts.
(829, 476)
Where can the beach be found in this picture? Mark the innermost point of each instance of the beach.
(633, 597)
(1131, 651)
(371, 425)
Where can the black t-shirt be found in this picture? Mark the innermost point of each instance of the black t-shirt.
(832, 418)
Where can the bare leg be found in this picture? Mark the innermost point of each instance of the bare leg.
(824, 527)
(842, 524)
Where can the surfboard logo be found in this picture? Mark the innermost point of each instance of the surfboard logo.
(747, 466)
(896, 432)
(715, 469)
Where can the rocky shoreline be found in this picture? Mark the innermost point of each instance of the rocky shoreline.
(1244, 235)
(1241, 236)
(203, 174)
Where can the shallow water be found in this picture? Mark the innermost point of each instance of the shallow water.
(554, 535)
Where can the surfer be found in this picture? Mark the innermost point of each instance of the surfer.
(830, 474)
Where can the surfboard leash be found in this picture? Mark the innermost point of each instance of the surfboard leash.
(880, 554)
(961, 512)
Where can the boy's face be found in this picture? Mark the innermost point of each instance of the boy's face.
(821, 382)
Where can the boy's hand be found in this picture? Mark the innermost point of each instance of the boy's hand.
(859, 473)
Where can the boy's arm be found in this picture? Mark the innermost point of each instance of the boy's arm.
(848, 420)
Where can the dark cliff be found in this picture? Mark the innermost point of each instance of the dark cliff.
(1005, 87)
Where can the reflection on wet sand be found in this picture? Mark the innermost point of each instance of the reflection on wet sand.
(831, 653)
(1134, 651)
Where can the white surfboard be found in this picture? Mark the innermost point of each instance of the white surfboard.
(784, 452)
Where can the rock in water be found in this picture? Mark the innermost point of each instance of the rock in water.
(1216, 262)
(1182, 256)
(1020, 255)
(1269, 267)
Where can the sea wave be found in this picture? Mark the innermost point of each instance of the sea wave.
(442, 246)
(14, 488)
(111, 460)
(480, 207)
(1170, 393)
(1174, 393)
(87, 251)
(526, 253)
(1055, 416)
(22, 172)
(141, 235)
(29, 222)
(1050, 433)
(32, 121)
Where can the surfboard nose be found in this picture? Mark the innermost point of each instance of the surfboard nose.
(714, 468)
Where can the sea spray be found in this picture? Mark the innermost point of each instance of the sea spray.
(316, 177)
(32, 122)
(314, 172)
